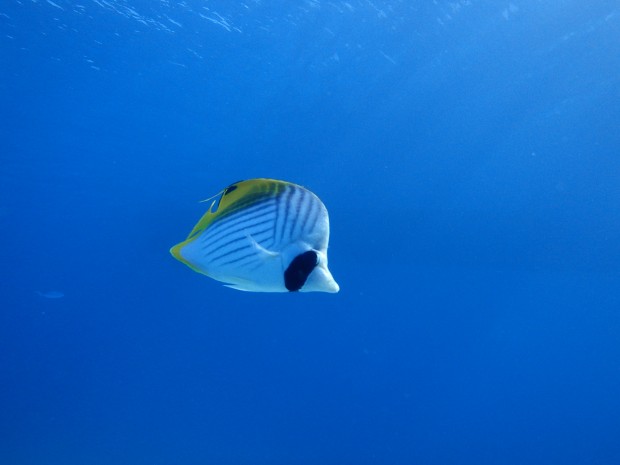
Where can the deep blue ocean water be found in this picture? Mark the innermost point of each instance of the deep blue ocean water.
(468, 153)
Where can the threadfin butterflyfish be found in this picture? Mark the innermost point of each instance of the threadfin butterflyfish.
(262, 235)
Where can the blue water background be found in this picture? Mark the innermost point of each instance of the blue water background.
(468, 153)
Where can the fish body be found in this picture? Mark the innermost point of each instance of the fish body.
(262, 235)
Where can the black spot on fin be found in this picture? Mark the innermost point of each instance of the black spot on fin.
(227, 190)
(300, 268)
(231, 188)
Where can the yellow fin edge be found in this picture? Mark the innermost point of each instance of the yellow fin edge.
(176, 253)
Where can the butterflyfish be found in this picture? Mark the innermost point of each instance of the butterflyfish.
(262, 235)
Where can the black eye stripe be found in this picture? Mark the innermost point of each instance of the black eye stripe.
(300, 268)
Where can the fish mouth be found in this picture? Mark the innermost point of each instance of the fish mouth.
(321, 280)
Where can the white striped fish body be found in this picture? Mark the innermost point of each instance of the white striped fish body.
(262, 235)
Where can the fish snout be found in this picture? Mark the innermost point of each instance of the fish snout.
(321, 280)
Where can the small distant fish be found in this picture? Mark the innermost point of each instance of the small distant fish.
(51, 294)
(262, 235)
